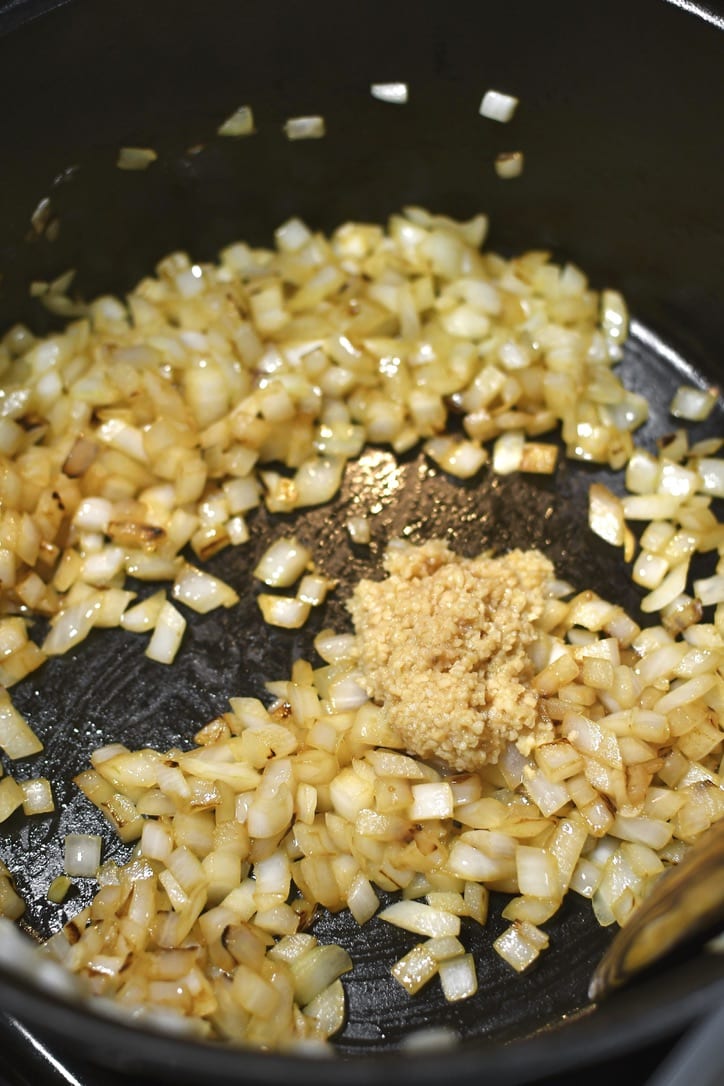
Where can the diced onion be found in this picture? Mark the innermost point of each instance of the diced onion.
(287, 612)
(520, 945)
(397, 93)
(712, 476)
(58, 889)
(710, 590)
(509, 164)
(283, 562)
(37, 796)
(167, 634)
(82, 854)
(317, 969)
(498, 106)
(458, 978)
(305, 128)
(11, 797)
(434, 800)
(359, 530)
(605, 515)
(157, 423)
(135, 158)
(17, 738)
(693, 404)
(508, 453)
(313, 589)
(421, 919)
(239, 123)
(201, 591)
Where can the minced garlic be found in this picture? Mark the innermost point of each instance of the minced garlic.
(443, 646)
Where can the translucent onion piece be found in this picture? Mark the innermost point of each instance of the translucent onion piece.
(283, 562)
(239, 123)
(37, 796)
(135, 158)
(396, 93)
(693, 404)
(82, 854)
(167, 635)
(509, 164)
(421, 919)
(458, 978)
(605, 515)
(201, 591)
(305, 128)
(288, 612)
(17, 738)
(498, 106)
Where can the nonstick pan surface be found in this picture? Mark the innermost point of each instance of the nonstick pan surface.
(611, 181)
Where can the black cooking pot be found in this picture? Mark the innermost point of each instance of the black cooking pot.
(624, 158)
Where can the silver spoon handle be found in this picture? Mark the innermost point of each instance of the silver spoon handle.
(698, 1058)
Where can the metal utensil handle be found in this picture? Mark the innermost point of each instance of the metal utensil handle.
(698, 1059)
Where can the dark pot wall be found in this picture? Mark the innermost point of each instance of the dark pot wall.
(618, 121)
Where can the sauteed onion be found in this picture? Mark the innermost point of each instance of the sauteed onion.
(137, 441)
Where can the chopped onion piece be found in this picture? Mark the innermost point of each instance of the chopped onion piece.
(239, 123)
(318, 480)
(421, 919)
(317, 969)
(614, 315)
(41, 215)
(694, 404)
(93, 515)
(710, 590)
(670, 588)
(650, 506)
(144, 615)
(460, 458)
(167, 635)
(305, 128)
(508, 453)
(539, 458)
(11, 797)
(328, 1008)
(642, 472)
(313, 589)
(605, 515)
(397, 93)
(292, 235)
(135, 158)
(346, 692)
(82, 854)
(287, 612)
(38, 796)
(711, 472)
(458, 978)
(17, 738)
(649, 569)
(362, 899)
(283, 562)
(434, 800)
(537, 872)
(430, 1039)
(359, 530)
(520, 944)
(415, 968)
(498, 106)
(58, 889)
(201, 591)
(509, 164)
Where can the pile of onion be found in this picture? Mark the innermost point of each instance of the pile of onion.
(136, 442)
